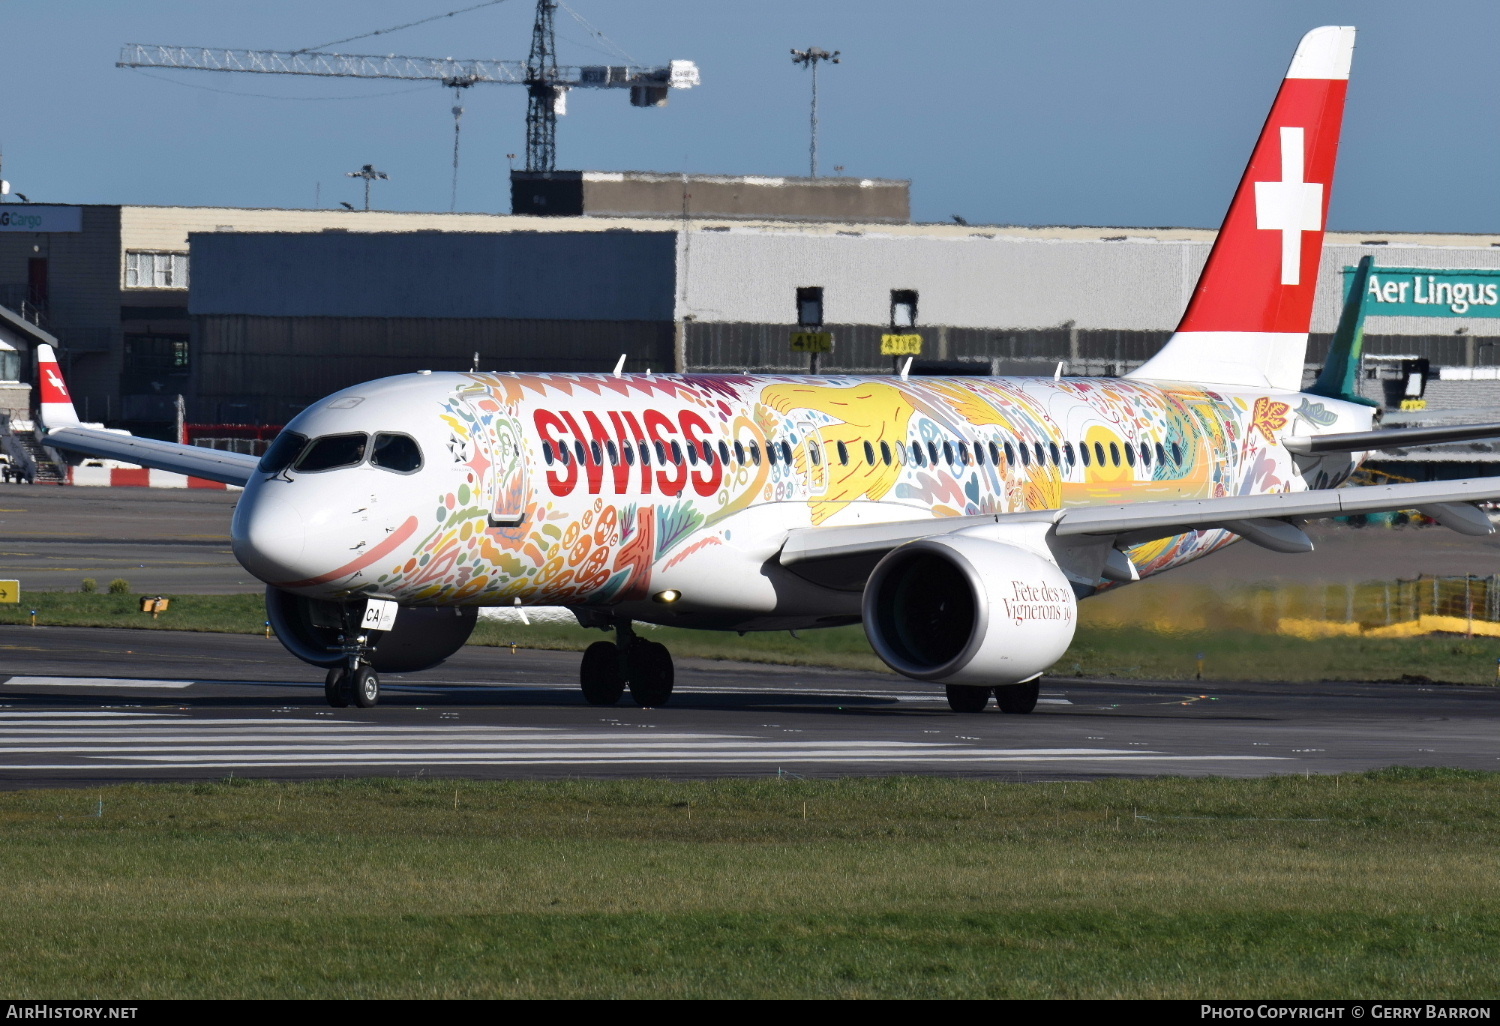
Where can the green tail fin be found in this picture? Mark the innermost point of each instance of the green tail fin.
(1340, 376)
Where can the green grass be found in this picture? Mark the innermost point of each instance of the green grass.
(1100, 649)
(1375, 884)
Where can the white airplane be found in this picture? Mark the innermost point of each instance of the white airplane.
(959, 519)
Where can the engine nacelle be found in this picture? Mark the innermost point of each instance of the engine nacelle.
(959, 609)
(422, 637)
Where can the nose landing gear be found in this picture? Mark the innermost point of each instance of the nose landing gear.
(358, 687)
(609, 667)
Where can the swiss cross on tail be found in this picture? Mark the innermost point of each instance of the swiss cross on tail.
(56, 404)
(1247, 321)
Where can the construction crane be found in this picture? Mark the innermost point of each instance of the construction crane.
(547, 82)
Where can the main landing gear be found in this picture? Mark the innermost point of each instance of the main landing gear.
(1011, 698)
(609, 667)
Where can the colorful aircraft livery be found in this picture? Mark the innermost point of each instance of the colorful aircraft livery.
(960, 519)
(628, 477)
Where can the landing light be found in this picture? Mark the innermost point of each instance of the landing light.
(668, 596)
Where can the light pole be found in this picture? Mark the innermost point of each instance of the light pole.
(369, 174)
(809, 58)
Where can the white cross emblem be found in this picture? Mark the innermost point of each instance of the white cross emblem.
(56, 382)
(1290, 206)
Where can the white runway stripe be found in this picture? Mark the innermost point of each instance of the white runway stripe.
(95, 682)
(141, 741)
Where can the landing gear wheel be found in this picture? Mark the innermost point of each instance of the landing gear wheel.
(365, 686)
(333, 688)
(650, 673)
(599, 674)
(965, 699)
(1018, 698)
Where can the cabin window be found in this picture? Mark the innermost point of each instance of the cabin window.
(1114, 454)
(1130, 454)
(547, 453)
(963, 453)
(1041, 454)
(579, 451)
(628, 451)
(283, 452)
(979, 454)
(1056, 454)
(885, 453)
(398, 453)
(994, 454)
(724, 453)
(813, 454)
(1177, 454)
(1161, 454)
(1068, 452)
(661, 454)
(1010, 454)
(333, 452)
(708, 452)
(1099, 453)
(739, 453)
(948, 453)
(1025, 455)
(771, 453)
(932, 452)
(916, 454)
(1083, 452)
(786, 453)
(677, 453)
(1145, 455)
(755, 453)
(692, 453)
(614, 453)
(869, 454)
(843, 454)
(597, 453)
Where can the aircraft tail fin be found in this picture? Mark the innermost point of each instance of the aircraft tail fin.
(1339, 378)
(57, 403)
(1247, 321)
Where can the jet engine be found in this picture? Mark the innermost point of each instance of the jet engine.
(960, 609)
(422, 638)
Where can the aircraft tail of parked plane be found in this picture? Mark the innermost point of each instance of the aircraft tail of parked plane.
(961, 520)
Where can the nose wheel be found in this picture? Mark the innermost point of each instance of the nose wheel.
(358, 687)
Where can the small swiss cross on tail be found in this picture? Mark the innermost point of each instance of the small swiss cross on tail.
(1248, 319)
(57, 404)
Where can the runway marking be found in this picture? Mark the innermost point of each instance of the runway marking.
(162, 741)
(95, 682)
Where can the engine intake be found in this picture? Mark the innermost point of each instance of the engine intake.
(960, 609)
(422, 637)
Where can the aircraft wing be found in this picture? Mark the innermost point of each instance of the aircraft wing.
(1389, 438)
(844, 556)
(227, 467)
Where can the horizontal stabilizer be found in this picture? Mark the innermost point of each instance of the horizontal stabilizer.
(1390, 438)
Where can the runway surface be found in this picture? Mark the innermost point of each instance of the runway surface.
(82, 706)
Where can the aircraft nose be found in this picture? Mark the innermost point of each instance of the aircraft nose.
(269, 539)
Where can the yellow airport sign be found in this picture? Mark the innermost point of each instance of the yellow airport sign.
(812, 341)
(10, 591)
(901, 345)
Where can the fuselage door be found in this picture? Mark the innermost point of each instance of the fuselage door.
(500, 434)
(814, 458)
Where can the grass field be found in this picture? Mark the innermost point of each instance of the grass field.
(1105, 646)
(1375, 885)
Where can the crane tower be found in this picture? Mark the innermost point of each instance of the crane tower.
(547, 82)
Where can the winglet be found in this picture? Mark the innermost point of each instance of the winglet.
(57, 403)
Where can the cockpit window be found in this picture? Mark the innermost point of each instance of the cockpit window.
(282, 452)
(399, 453)
(332, 452)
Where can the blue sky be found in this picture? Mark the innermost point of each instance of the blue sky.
(1063, 112)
